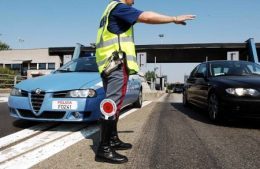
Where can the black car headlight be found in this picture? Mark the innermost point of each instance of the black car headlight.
(90, 93)
(242, 92)
(16, 92)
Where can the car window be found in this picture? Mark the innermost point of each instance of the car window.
(225, 68)
(202, 69)
(254, 68)
(193, 72)
(233, 68)
(219, 70)
(84, 64)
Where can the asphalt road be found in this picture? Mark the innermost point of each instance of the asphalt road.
(166, 135)
(9, 125)
(178, 137)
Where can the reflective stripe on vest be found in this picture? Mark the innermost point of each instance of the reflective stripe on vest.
(112, 41)
(107, 43)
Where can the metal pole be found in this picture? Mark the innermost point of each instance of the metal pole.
(160, 70)
(155, 68)
(252, 50)
(15, 80)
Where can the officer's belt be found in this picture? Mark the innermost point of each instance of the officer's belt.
(128, 57)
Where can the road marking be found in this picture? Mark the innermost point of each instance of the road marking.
(162, 98)
(34, 157)
(15, 137)
(178, 98)
(133, 110)
(40, 140)
(36, 149)
(3, 99)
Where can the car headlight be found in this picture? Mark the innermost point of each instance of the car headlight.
(16, 92)
(242, 92)
(82, 93)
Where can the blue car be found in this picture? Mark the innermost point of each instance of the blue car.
(72, 93)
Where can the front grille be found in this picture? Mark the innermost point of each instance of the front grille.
(36, 100)
(52, 114)
(45, 114)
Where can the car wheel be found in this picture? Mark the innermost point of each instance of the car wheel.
(213, 108)
(138, 103)
(185, 101)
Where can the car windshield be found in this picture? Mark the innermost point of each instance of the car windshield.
(84, 64)
(234, 68)
(179, 85)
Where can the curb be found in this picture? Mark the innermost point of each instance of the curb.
(152, 96)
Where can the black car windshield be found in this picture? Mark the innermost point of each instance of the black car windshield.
(84, 64)
(234, 68)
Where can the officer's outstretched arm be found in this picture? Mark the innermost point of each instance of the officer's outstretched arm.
(156, 18)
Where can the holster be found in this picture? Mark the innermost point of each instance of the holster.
(114, 61)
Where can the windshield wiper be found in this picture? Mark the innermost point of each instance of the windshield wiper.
(251, 74)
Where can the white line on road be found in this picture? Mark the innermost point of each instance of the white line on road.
(42, 139)
(34, 157)
(15, 137)
(3, 99)
(162, 98)
(36, 149)
(133, 110)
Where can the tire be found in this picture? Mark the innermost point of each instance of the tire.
(185, 101)
(213, 108)
(138, 103)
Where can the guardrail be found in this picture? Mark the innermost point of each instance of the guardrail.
(8, 81)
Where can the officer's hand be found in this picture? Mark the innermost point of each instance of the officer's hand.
(182, 18)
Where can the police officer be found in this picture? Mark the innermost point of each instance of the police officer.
(116, 59)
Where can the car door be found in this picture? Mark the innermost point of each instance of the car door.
(190, 85)
(201, 85)
(130, 91)
(134, 87)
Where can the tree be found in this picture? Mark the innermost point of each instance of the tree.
(4, 46)
(170, 86)
(149, 75)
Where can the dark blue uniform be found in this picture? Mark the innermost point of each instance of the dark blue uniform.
(122, 17)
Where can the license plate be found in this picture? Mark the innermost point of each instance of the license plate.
(64, 105)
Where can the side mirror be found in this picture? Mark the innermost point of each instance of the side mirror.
(53, 71)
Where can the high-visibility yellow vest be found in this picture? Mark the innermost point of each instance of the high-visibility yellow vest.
(108, 42)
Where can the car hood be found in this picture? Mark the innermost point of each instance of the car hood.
(61, 81)
(240, 81)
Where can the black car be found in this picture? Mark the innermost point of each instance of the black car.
(225, 88)
(178, 88)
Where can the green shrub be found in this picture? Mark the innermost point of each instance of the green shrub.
(6, 77)
(7, 71)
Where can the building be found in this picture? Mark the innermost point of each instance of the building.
(29, 62)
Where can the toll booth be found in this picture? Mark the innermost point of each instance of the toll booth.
(180, 53)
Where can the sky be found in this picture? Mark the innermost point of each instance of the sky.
(28, 24)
